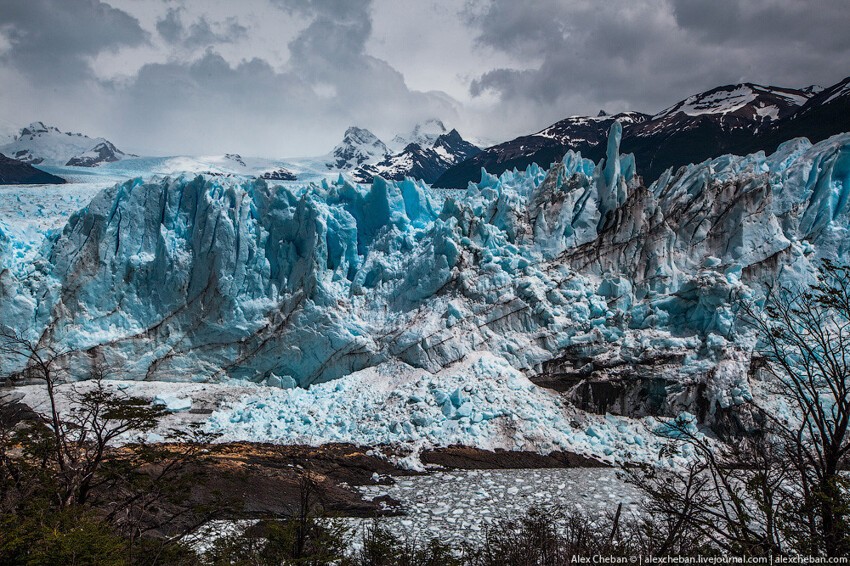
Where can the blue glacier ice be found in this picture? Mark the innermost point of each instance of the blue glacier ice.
(207, 278)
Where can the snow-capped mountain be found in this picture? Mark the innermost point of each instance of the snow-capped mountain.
(413, 161)
(837, 92)
(577, 133)
(742, 106)
(358, 146)
(41, 144)
(736, 119)
(826, 113)
(424, 134)
(585, 130)
(722, 120)
(15, 172)
(424, 162)
(453, 148)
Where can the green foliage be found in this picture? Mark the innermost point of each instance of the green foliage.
(70, 537)
(291, 542)
(379, 547)
(151, 551)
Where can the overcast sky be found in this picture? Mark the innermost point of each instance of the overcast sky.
(282, 78)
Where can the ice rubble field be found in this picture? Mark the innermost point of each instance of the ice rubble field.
(406, 315)
(481, 402)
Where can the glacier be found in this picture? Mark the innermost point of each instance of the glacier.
(574, 276)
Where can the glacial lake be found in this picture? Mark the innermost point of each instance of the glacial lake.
(457, 506)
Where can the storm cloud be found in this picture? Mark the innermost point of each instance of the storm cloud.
(648, 54)
(286, 77)
(50, 41)
(200, 32)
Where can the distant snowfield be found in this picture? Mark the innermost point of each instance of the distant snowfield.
(233, 165)
(481, 401)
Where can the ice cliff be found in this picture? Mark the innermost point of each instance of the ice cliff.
(573, 276)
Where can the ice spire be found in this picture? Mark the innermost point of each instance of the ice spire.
(610, 182)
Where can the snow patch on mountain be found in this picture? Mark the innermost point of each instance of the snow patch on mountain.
(581, 129)
(731, 107)
(840, 90)
(730, 99)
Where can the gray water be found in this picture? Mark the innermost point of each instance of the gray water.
(457, 506)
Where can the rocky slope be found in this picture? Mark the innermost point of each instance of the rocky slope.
(14, 172)
(279, 174)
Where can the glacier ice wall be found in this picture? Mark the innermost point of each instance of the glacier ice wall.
(206, 278)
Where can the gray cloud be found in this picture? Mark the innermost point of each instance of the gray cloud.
(52, 40)
(336, 37)
(647, 54)
(200, 33)
(286, 77)
(329, 83)
(211, 106)
(821, 25)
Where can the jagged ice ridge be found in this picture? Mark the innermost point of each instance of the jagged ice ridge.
(205, 278)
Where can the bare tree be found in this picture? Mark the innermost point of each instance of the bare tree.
(39, 362)
(729, 497)
(805, 341)
(90, 452)
(781, 490)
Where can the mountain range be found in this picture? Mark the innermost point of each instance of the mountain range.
(424, 154)
(419, 160)
(738, 119)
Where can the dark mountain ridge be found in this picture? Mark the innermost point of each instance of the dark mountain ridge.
(14, 172)
(737, 119)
